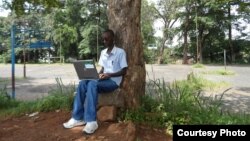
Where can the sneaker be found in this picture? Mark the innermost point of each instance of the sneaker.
(73, 123)
(90, 127)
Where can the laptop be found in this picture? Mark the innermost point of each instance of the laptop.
(86, 69)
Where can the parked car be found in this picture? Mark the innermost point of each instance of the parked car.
(152, 47)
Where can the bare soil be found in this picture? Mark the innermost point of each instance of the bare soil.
(48, 127)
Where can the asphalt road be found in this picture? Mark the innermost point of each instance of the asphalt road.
(40, 78)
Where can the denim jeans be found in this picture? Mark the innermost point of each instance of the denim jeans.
(86, 99)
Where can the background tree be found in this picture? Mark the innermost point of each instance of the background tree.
(166, 10)
(147, 30)
(204, 25)
(4, 40)
(186, 21)
(147, 22)
(67, 24)
(94, 14)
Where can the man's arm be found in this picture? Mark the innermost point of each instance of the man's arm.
(119, 73)
(101, 71)
(116, 74)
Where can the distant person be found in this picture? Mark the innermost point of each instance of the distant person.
(113, 67)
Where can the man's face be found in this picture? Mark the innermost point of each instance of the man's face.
(107, 39)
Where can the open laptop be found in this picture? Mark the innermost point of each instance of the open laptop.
(86, 69)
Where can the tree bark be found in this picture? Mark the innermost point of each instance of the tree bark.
(185, 48)
(161, 51)
(185, 33)
(230, 35)
(124, 20)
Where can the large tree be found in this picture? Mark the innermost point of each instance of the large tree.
(166, 12)
(124, 20)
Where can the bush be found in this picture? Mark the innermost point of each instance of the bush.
(182, 102)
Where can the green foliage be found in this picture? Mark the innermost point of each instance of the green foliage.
(198, 65)
(182, 102)
(54, 102)
(96, 21)
(5, 58)
(64, 36)
(60, 97)
(5, 100)
(74, 18)
(148, 13)
(150, 56)
(167, 58)
(20, 6)
(220, 72)
(88, 45)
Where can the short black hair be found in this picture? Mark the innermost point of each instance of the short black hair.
(111, 32)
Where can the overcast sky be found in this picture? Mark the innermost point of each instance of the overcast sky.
(3, 13)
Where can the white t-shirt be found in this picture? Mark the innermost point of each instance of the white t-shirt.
(113, 62)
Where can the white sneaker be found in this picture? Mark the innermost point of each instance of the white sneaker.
(73, 123)
(90, 127)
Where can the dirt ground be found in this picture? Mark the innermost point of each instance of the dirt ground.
(48, 127)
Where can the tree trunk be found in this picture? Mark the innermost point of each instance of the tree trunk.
(185, 48)
(200, 52)
(161, 53)
(230, 36)
(124, 20)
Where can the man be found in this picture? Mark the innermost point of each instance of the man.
(113, 66)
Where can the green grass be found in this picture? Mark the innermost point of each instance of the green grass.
(182, 102)
(220, 72)
(59, 98)
(200, 83)
(164, 105)
(198, 65)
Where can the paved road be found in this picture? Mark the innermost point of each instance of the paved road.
(42, 78)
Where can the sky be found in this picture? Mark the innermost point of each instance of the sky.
(3, 13)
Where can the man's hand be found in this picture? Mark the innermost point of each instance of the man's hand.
(104, 76)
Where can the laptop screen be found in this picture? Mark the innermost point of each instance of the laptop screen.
(86, 69)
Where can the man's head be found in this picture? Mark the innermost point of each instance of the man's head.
(108, 38)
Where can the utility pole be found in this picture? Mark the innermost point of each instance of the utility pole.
(60, 46)
(13, 58)
(24, 56)
(197, 35)
(225, 59)
(24, 62)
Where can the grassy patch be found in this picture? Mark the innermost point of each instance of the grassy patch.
(220, 72)
(182, 102)
(60, 97)
(5, 100)
(198, 65)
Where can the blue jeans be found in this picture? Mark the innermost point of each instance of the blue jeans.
(86, 99)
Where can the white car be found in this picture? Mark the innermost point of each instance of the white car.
(152, 47)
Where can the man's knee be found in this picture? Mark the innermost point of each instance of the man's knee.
(92, 83)
(83, 82)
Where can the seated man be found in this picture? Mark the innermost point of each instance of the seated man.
(114, 64)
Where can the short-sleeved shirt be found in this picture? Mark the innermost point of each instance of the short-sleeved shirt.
(113, 62)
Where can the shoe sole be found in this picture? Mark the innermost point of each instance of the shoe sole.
(89, 133)
(79, 124)
(86, 133)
